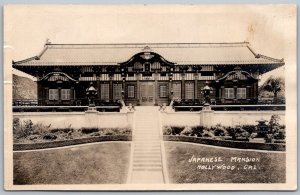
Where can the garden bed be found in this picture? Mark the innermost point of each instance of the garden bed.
(227, 143)
(29, 136)
(61, 143)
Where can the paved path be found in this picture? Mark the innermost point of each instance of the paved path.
(146, 158)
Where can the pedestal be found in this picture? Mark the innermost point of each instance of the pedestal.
(91, 117)
(206, 116)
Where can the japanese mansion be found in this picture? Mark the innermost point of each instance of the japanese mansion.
(147, 74)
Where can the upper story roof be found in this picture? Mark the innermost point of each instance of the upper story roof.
(238, 53)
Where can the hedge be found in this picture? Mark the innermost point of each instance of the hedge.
(54, 144)
(227, 143)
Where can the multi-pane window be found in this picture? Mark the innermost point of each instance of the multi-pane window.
(104, 91)
(163, 91)
(241, 93)
(53, 94)
(177, 90)
(117, 91)
(65, 94)
(189, 90)
(229, 93)
(130, 91)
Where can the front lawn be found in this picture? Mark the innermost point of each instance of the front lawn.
(220, 165)
(103, 163)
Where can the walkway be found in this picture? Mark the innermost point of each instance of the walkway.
(146, 158)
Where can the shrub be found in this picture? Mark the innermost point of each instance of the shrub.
(49, 136)
(197, 130)
(253, 135)
(89, 130)
(187, 131)
(280, 134)
(167, 130)
(116, 131)
(274, 122)
(269, 138)
(62, 130)
(17, 131)
(207, 133)
(219, 131)
(249, 128)
(176, 130)
(40, 128)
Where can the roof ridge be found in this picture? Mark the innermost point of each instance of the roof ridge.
(149, 43)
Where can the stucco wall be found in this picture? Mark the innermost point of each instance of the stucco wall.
(226, 118)
(78, 119)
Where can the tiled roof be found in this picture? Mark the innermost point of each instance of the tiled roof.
(178, 53)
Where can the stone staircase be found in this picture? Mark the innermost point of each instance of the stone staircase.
(146, 157)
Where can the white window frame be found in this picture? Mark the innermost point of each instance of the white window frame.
(229, 93)
(130, 91)
(65, 94)
(241, 93)
(163, 91)
(53, 94)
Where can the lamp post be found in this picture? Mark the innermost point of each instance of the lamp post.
(91, 93)
(206, 92)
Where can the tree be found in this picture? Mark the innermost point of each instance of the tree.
(274, 85)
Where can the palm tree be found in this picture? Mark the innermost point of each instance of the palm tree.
(274, 85)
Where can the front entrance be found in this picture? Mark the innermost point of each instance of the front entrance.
(147, 93)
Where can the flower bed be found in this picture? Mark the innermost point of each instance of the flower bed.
(25, 132)
(228, 143)
(61, 143)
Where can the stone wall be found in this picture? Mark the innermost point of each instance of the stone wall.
(212, 118)
(78, 119)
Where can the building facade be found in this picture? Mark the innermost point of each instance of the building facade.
(147, 74)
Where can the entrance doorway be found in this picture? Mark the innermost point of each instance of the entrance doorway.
(147, 93)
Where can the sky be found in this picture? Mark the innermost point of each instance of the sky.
(271, 30)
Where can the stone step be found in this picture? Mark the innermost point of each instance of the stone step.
(146, 155)
(147, 169)
(147, 165)
(147, 161)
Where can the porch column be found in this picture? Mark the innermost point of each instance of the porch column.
(235, 94)
(110, 87)
(138, 89)
(196, 86)
(98, 87)
(171, 93)
(183, 86)
(156, 90)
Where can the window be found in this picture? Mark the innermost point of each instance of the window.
(130, 91)
(66, 94)
(53, 94)
(163, 91)
(104, 91)
(241, 93)
(177, 90)
(229, 93)
(189, 90)
(117, 91)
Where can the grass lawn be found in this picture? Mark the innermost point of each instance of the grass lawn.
(269, 169)
(86, 164)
